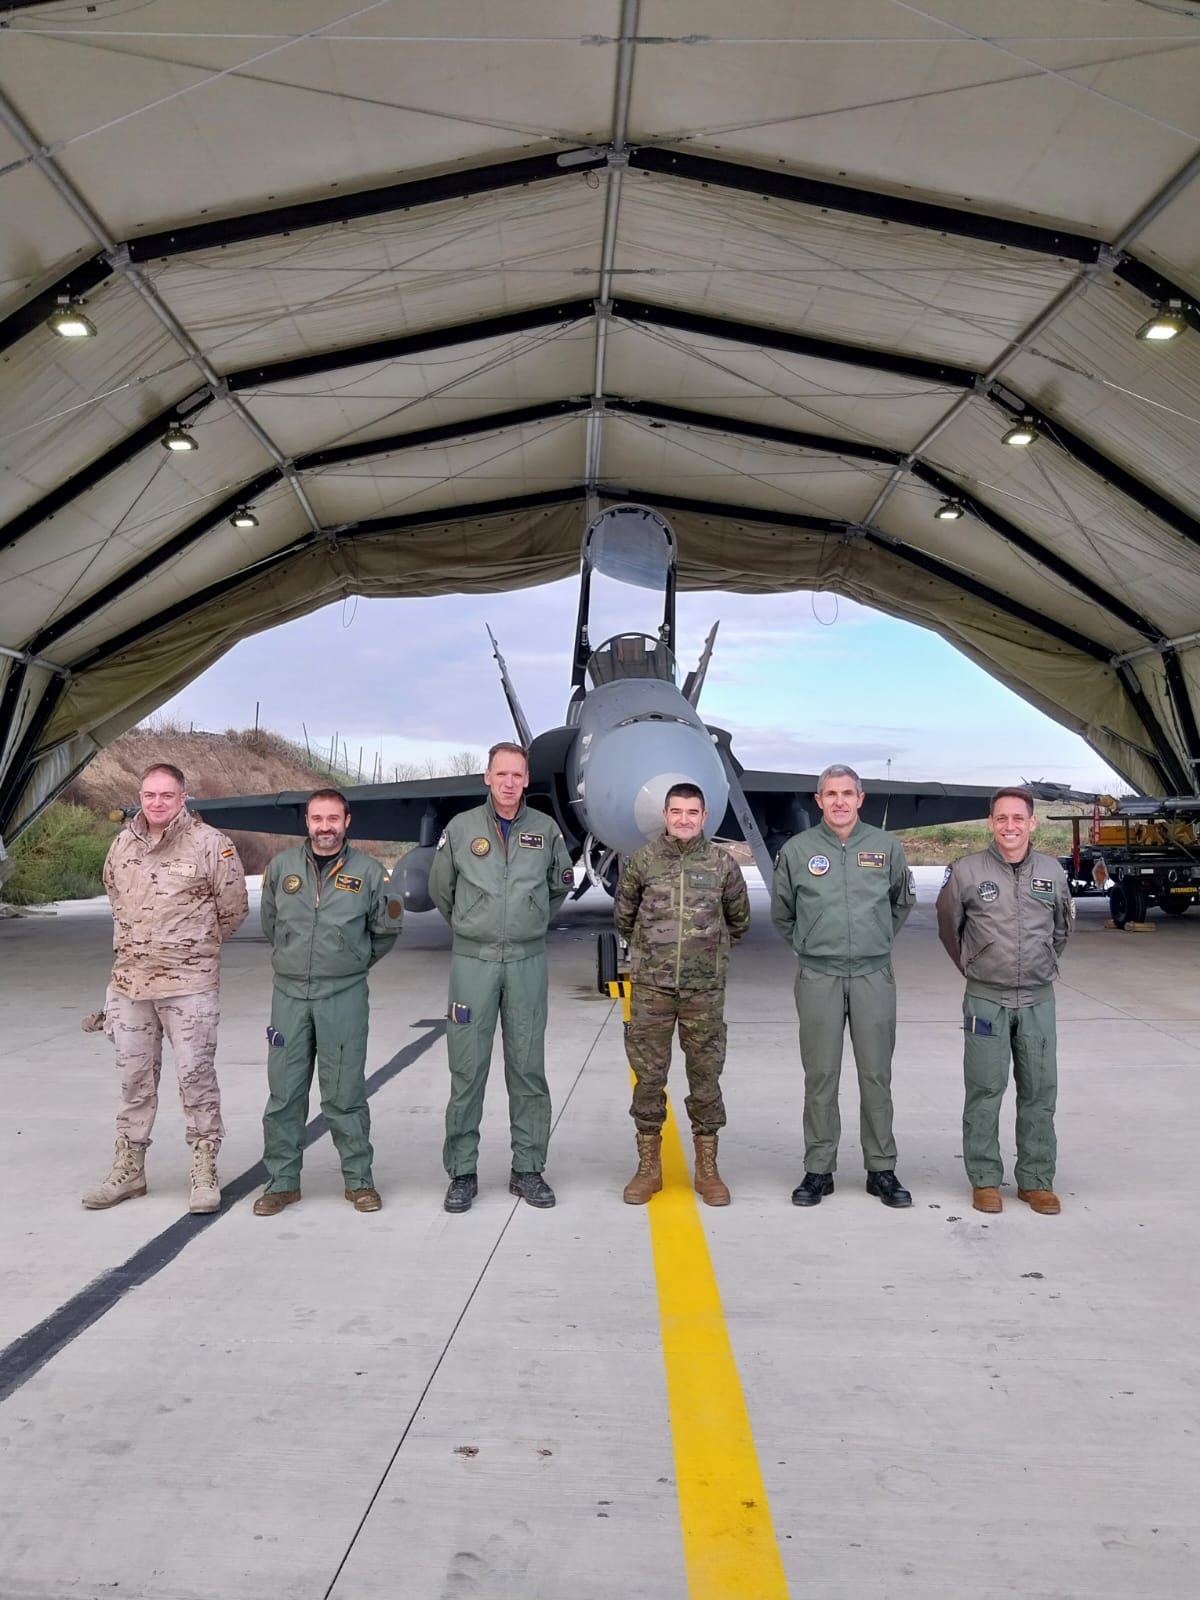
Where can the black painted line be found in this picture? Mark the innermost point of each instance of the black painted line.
(30, 1351)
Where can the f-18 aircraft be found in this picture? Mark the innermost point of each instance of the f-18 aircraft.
(629, 733)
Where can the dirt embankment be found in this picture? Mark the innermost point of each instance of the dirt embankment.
(251, 761)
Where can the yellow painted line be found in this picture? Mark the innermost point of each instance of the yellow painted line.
(729, 1542)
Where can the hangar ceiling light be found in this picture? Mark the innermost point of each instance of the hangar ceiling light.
(1024, 431)
(178, 438)
(243, 517)
(68, 321)
(950, 510)
(1167, 323)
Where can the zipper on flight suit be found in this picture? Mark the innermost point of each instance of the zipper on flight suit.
(679, 934)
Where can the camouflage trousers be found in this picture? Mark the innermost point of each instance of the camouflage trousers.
(653, 1014)
(136, 1028)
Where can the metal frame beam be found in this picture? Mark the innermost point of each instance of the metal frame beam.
(761, 335)
(96, 471)
(408, 344)
(199, 526)
(32, 315)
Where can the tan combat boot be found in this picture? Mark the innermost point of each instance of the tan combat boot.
(647, 1180)
(708, 1180)
(206, 1191)
(126, 1181)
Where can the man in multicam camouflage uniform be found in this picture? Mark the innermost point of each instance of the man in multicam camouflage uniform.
(680, 904)
(178, 892)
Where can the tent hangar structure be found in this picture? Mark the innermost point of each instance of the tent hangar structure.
(386, 298)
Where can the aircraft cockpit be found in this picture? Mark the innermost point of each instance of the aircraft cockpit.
(631, 655)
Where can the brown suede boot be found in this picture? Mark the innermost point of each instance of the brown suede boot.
(708, 1180)
(987, 1198)
(647, 1180)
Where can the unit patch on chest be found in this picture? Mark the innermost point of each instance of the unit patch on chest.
(872, 858)
(988, 891)
(480, 847)
(532, 841)
(291, 884)
(818, 865)
(347, 880)
(1043, 888)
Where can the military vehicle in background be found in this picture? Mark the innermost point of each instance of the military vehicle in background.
(1140, 852)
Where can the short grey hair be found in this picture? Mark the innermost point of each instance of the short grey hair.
(838, 770)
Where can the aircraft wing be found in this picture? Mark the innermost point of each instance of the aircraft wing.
(783, 804)
(393, 811)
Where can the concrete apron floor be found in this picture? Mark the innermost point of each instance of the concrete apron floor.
(417, 1405)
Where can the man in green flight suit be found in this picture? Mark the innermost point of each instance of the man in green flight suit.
(841, 893)
(1004, 916)
(681, 903)
(329, 915)
(499, 874)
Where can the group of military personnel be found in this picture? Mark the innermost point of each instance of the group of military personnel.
(841, 892)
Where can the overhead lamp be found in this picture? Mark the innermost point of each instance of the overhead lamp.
(243, 517)
(67, 319)
(1024, 431)
(178, 438)
(950, 511)
(1168, 322)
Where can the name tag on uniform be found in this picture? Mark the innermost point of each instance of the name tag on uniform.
(181, 869)
(344, 880)
(699, 878)
(532, 841)
(1043, 888)
(872, 858)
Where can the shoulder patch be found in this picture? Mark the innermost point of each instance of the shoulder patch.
(441, 842)
(395, 909)
(946, 874)
(225, 854)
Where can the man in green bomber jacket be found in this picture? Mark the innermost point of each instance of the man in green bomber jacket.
(499, 874)
(842, 891)
(329, 916)
(1004, 916)
(681, 902)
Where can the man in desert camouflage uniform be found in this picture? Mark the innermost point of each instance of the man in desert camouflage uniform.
(178, 892)
(681, 903)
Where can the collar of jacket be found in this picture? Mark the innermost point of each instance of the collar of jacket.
(995, 850)
(338, 861)
(685, 846)
(179, 823)
(856, 832)
(494, 815)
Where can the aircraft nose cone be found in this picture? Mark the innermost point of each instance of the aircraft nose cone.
(627, 771)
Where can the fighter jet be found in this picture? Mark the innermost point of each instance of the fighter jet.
(629, 733)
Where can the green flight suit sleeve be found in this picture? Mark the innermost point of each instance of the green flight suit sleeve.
(560, 878)
(735, 900)
(267, 906)
(903, 890)
(442, 875)
(950, 918)
(1064, 913)
(384, 918)
(628, 898)
(783, 896)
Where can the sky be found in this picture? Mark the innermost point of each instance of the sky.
(800, 680)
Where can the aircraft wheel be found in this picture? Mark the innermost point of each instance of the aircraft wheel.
(1176, 908)
(606, 961)
(1118, 904)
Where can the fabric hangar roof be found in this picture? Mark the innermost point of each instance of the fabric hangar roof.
(426, 281)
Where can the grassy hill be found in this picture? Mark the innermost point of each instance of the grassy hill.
(61, 855)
